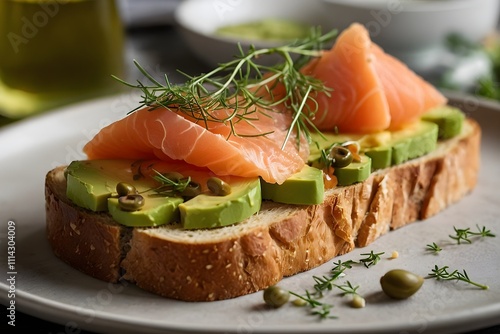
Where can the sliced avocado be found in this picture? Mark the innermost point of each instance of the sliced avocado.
(381, 156)
(413, 141)
(448, 119)
(209, 211)
(355, 172)
(91, 182)
(305, 187)
(156, 211)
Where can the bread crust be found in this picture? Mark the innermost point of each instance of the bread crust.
(281, 240)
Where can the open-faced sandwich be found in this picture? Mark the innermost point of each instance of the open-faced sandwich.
(224, 185)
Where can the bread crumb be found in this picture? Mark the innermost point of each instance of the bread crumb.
(394, 255)
(209, 266)
(92, 247)
(73, 227)
(210, 296)
(162, 279)
(205, 251)
(189, 279)
(228, 265)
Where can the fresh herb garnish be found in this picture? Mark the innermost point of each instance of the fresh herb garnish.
(348, 289)
(170, 186)
(371, 258)
(434, 248)
(464, 235)
(340, 266)
(318, 308)
(443, 274)
(234, 91)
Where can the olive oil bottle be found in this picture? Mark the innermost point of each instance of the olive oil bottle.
(53, 52)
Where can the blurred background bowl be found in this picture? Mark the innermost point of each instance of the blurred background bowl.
(198, 21)
(415, 31)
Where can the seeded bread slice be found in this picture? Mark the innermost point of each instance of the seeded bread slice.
(281, 240)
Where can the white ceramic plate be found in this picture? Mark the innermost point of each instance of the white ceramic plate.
(47, 288)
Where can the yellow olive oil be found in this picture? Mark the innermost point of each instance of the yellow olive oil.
(54, 52)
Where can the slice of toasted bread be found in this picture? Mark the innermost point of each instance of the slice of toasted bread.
(281, 240)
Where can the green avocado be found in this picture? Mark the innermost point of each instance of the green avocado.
(448, 119)
(305, 187)
(355, 172)
(91, 182)
(413, 141)
(210, 211)
(381, 156)
(156, 211)
(92, 185)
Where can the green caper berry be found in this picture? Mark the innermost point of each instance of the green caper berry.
(192, 189)
(275, 296)
(131, 202)
(400, 284)
(340, 156)
(218, 186)
(124, 189)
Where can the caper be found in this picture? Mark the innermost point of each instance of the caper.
(275, 296)
(131, 202)
(173, 176)
(192, 189)
(218, 187)
(340, 156)
(400, 284)
(124, 189)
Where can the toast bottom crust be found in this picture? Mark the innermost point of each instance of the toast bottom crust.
(281, 240)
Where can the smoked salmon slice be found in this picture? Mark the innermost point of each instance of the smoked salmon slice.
(371, 90)
(164, 134)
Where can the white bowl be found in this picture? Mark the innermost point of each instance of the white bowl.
(199, 19)
(415, 30)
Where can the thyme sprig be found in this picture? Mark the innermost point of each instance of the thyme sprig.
(323, 310)
(443, 274)
(435, 248)
(234, 91)
(348, 289)
(371, 258)
(464, 235)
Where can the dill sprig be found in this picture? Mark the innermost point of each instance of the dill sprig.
(170, 186)
(237, 88)
(443, 274)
